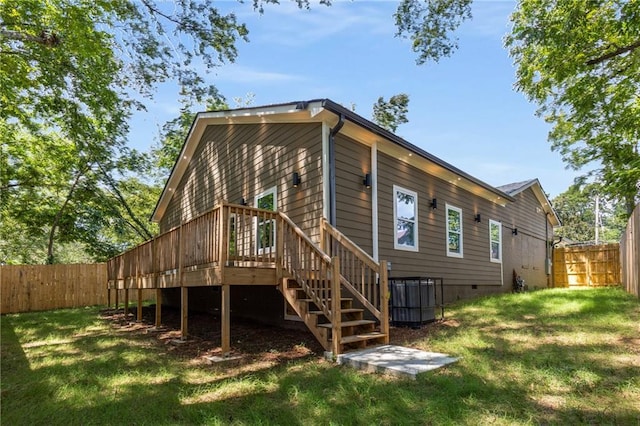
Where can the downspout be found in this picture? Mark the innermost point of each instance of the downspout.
(332, 169)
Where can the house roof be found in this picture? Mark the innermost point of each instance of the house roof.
(325, 110)
(516, 188)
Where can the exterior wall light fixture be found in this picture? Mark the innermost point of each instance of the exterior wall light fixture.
(433, 204)
(367, 180)
(477, 218)
(296, 179)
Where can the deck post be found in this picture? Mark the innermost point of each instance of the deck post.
(108, 297)
(279, 248)
(126, 303)
(323, 241)
(336, 313)
(158, 307)
(184, 312)
(224, 239)
(117, 301)
(384, 300)
(184, 291)
(139, 304)
(226, 319)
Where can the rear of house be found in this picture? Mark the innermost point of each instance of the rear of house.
(421, 214)
(354, 204)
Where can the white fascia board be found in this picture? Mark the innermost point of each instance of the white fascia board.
(545, 203)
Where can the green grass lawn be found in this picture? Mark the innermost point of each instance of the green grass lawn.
(550, 357)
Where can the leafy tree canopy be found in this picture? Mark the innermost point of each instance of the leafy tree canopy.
(430, 25)
(580, 62)
(392, 113)
(576, 208)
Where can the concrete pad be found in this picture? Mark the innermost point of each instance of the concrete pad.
(396, 360)
(217, 359)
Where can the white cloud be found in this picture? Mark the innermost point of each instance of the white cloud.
(288, 25)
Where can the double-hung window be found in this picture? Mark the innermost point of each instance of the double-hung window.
(454, 231)
(495, 241)
(405, 218)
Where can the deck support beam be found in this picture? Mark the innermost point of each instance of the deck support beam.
(126, 303)
(184, 312)
(225, 319)
(139, 304)
(158, 307)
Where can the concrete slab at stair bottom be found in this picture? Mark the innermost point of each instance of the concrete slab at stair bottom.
(393, 359)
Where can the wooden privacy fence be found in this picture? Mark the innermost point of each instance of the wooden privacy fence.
(630, 254)
(25, 288)
(586, 266)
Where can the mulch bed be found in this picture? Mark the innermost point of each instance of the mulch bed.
(251, 341)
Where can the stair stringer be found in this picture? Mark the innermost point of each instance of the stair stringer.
(302, 309)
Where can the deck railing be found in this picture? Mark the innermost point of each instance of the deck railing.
(240, 236)
(361, 275)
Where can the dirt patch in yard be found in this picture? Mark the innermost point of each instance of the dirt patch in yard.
(250, 341)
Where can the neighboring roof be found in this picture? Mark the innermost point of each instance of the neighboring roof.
(516, 188)
(322, 110)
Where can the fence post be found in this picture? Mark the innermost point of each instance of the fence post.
(384, 300)
(336, 313)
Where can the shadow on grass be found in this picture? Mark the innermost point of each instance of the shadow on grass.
(109, 378)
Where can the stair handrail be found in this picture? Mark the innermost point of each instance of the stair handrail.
(377, 301)
(318, 286)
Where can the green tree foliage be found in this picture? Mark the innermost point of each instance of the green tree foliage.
(576, 208)
(54, 201)
(430, 25)
(580, 62)
(392, 113)
(71, 73)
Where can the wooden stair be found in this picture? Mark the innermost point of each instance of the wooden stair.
(357, 332)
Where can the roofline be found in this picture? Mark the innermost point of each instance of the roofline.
(547, 202)
(369, 125)
(327, 104)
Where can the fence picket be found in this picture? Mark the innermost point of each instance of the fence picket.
(26, 288)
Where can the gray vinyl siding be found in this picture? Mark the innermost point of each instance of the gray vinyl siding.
(474, 268)
(238, 161)
(353, 200)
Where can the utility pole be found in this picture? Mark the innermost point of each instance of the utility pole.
(597, 219)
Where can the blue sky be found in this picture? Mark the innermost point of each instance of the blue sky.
(462, 109)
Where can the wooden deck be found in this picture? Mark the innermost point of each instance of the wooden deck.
(239, 245)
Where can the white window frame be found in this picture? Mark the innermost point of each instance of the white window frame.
(499, 241)
(414, 194)
(448, 231)
(273, 190)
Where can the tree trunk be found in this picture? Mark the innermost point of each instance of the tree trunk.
(56, 220)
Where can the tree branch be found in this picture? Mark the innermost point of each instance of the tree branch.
(158, 12)
(621, 50)
(56, 220)
(46, 38)
(123, 202)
